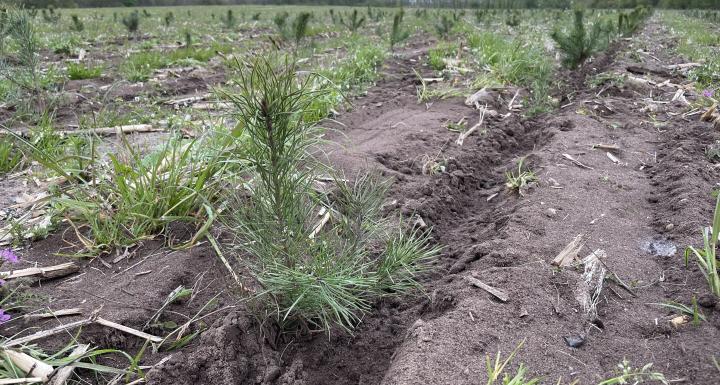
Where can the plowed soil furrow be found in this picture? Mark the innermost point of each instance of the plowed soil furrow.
(637, 210)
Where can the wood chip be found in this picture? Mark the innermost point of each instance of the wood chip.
(680, 320)
(318, 227)
(570, 252)
(30, 365)
(612, 157)
(709, 114)
(497, 293)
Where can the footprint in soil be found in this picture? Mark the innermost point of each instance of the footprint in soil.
(659, 247)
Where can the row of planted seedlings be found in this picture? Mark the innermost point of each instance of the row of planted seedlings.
(318, 258)
(521, 54)
(178, 48)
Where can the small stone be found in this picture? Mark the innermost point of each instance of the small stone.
(574, 341)
(707, 300)
(523, 313)
(551, 212)
(669, 226)
(552, 182)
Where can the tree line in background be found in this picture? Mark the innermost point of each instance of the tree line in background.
(676, 4)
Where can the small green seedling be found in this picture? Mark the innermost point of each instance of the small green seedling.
(518, 181)
(706, 257)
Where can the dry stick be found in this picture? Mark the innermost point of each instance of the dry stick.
(44, 272)
(225, 262)
(64, 374)
(53, 314)
(128, 330)
(117, 130)
(190, 99)
(607, 147)
(683, 66)
(577, 162)
(510, 105)
(46, 333)
(467, 133)
(72, 325)
(499, 294)
(28, 380)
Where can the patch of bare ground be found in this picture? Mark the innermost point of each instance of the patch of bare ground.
(641, 205)
(637, 205)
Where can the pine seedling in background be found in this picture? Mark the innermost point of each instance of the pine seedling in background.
(188, 40)
(706, 257)
(132, 22)
(77, 24)
(513, 19)
(169, 18)
(480, 16)
(444, 26)
(5, 22)
(300, 27)
(577, 45)
(229, 20)
(314, 274)
(50, 15)
(280, 21)
(398, 33)
(24, 70)
(628, 23)
(354, 22)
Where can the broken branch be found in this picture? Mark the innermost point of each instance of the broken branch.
(43, 272)
(497, 293)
